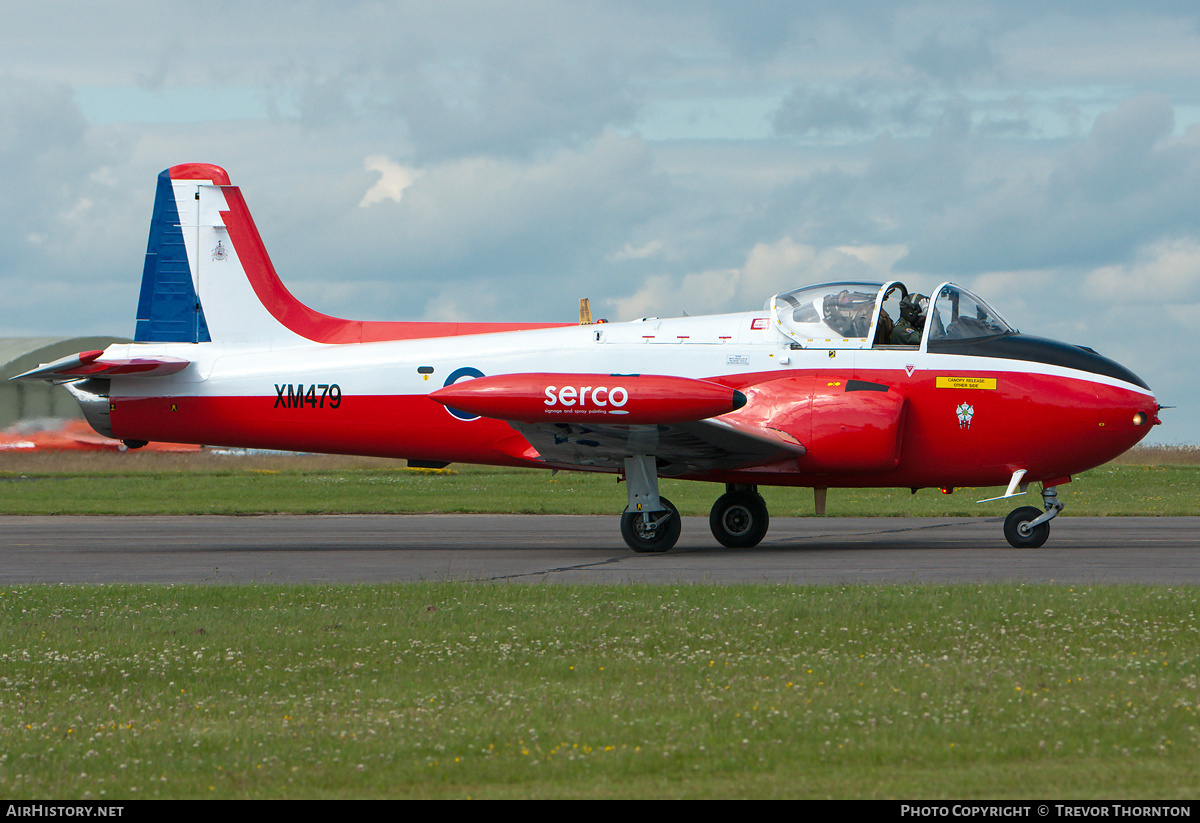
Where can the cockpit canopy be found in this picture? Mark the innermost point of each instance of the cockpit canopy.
(958, 315)
(865, 315)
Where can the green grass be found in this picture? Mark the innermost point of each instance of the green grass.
(210, 484)
(490, 691)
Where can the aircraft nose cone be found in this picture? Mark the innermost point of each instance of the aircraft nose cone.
(1126, 415)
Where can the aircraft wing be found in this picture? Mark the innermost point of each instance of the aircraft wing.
(92, 364)
(601, 419)
(680, 448)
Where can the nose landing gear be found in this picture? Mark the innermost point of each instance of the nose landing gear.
(1026, 527)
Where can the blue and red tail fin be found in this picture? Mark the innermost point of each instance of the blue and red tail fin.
(169, 308)
(208, 278)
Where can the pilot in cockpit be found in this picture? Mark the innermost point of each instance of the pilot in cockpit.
(849, 312)
(905, 330)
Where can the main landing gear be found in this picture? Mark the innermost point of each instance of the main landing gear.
(648, 531)
(739, 518)
(651, 523)
(1028, 528)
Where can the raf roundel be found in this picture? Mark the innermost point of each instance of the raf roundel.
(467, 373)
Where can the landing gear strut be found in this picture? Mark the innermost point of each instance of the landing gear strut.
(651, 531)
(739, 518)
(1028, 528)
(650, 523)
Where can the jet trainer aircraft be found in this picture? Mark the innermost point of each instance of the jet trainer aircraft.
(834, 385)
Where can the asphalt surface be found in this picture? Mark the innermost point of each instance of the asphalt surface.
(548, 548)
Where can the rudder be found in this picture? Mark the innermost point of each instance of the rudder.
(169, 309)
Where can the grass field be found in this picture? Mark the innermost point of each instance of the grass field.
(1148, 482)
(491, 691)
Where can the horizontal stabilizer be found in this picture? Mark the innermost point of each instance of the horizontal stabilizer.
(625, 399)
(93, 364)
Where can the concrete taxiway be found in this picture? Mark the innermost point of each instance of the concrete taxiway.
(379, 548)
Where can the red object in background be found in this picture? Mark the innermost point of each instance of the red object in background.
(74, 435)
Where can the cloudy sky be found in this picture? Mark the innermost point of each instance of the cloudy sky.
(499, 160)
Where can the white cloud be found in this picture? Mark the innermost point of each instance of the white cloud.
(393, 180)
(769, 268)
(1021, 296)
(629, 252)
(1167, 271)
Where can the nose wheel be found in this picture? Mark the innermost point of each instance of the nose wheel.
(1028, 528)
(1019, 532)
(739, 518)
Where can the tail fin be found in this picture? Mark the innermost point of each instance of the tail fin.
(169, 308)
(208, 277)
(197, 283)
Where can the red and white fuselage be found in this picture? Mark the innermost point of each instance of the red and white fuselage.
(374, 399)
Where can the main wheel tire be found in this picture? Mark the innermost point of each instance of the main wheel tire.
(1017, 532)
(659, 539)
(739, 520)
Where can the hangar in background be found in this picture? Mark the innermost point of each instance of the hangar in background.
(28, 399)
